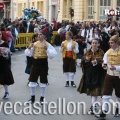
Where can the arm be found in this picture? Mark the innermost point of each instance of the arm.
(10, 35)
(29, 51)
(105, 58)
(61, 47)
(51, 52)
(118, 68)
(76, 48)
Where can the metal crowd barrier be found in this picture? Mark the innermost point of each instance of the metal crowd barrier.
(53, 37)
(24, 39)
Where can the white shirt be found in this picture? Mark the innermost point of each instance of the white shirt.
(69, 47)
(107, 29)
(51, 52)
(105, 59)
(83, 32)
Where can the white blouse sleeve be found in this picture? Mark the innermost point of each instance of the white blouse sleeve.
(76, 48)
(61, 48)
(29, 52)
(51, 52)
(117, 68)
(105, 58)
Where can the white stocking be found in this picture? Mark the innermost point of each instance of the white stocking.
(6, 88)
(32, 91)
(43, 91)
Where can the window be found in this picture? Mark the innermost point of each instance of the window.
(65, 9)
(32, 4)
(118, 4)
(104, 4)
(19, 9)
(90, 9)
(24, 5)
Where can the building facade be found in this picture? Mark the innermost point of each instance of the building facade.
(48, 8)
(86, 9)
(6, 10)
(18, 5)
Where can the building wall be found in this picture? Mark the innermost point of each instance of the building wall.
(53, 10)
(59, 9)
(21, 4)
(81, 10)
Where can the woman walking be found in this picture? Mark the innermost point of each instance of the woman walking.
(6, 77)
(93, 73)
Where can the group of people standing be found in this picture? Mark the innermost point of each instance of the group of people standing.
(101, 68)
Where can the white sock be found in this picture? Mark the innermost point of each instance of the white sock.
(43, 91)
(67, 76)
(71, 76)
(32, 91)
(94, 99)
(105, 99)
(6, 88)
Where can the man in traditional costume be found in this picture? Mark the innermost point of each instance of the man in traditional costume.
(112, 78)
(41, 51)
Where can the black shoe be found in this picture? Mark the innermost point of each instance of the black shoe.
(90, 111)
(32, 100)
(67, 84)
(41, 100)
(101, 115)
(6, 95)
(73, 84)
(117, 113)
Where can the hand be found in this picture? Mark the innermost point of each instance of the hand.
(62, 45)
(73, 47)
(30, 46)
(93, 61)
(104, 65)
(87, 58)
(83, 42)
(2, 51)
(112, 67)
(45, 46)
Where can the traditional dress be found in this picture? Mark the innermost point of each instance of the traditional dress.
(6, 77)
(92, 78)
(69, 57)
(93, 75)
(40, 66)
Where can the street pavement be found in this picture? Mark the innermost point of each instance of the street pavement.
(55, 91)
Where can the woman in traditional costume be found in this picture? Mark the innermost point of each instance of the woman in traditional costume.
(6, 77)
(69, 49)
(93, 73)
